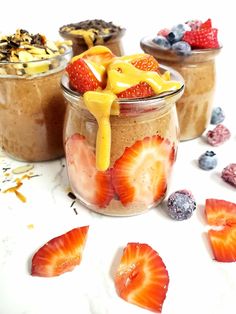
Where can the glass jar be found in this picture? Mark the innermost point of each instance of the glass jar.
(32, 108)
(112, 41)
(141, 124)
(198, 70)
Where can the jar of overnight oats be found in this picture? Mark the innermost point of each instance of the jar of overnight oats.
(32, 106)
(144, 136)
(89, 33)
(199, 72)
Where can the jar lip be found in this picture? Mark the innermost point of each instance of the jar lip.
(159, 97)
(147, 43)
(66, 53)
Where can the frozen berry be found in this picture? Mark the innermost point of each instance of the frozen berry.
(162, 42)
(194, 24)
(163, 32)
(179, 30)
(182, 48)
(208, 160)
(218, 135)
(229, 174)
(181, 204)
(217, 116)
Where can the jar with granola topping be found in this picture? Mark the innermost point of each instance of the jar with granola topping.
(32, 107)
(199, 72)
(129, 173)
(89, 33)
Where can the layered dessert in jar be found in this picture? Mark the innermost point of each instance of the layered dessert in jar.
(121, 130)
(32, 107)
(89, 33)
(190, 48)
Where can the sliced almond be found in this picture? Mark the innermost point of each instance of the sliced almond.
(22, 169)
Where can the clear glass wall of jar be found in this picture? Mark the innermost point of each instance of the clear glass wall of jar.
(32, 108)
(199, 73)
(139, 122)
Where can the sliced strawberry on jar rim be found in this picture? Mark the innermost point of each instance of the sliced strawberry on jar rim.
(145, 62)
(142, 278)
(202, 38)
(82, 78)
(223, 243)
(93, 186)
(60, 254)
(140, 174)
(207, 24)
(140, 90)
(220, 212)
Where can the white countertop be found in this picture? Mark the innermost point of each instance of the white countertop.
(198, 284)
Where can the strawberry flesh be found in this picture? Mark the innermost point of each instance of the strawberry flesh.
(140, 174)
(91, 185)
(202, 38)
(142, 278)
(60, 254)
(140, 90)
(223, 242)
(81, 77)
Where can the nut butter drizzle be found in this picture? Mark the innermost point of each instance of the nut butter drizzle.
(121, 76)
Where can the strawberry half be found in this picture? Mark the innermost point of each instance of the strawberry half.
(146, 63)
(81, 77)
(140, 90)
(202, 38)
(220, 212)
(142, 277)
(223, 242)
(140, 174)
(207, 24)
(60, 254)
(92, 185)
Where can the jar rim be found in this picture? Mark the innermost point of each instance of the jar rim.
(155, 100)
(150, 47)
(66, 53)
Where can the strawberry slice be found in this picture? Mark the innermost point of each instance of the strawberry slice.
(207, 24)
(93, 186)
(142, 278)
(223, 243)
(140, 90)
(140, 174)
(81, 77)
(146, 63)
(60, 254)
(220, 212)
(202, 38)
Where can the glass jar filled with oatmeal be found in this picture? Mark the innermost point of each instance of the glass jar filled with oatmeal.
(32, 106)
(119, 150)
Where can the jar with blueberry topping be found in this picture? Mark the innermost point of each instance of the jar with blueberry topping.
(197, 66)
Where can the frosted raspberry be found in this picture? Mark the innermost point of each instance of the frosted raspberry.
(218, 135)
(163, 32)
(229, 174)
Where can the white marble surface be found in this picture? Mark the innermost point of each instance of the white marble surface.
(198, 284)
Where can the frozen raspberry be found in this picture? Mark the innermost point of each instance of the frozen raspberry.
(181, 204)
(207, 161)
(164, 32)
(229, 174)
(218, 135)
(194, 24)
(217, 115)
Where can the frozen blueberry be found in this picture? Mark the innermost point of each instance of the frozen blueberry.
(162, 42)
(181, 204)
(208, 160)
(182, 48)
(217, 115)
(178, 31)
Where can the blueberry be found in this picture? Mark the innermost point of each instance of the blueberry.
(181, 204)
(217, 116)
(178, 31)
(207, 161)
(162, 42)
(182, 48)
